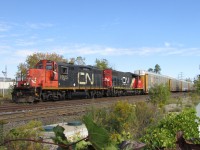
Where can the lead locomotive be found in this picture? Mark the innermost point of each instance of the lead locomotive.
(51, 80)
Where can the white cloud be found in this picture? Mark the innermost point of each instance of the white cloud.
(22, 42)
(39, 25)
(4, 27)
(24, 52)
(141, 51)
(167, 44)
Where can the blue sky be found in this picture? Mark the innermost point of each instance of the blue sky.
(130, 34)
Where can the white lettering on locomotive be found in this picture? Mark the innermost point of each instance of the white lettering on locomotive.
(64, 77)
(125, 80)
(84, 77)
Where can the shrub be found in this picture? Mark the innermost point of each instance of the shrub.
(118, 120)
(32, 130)
(121, 116)
(163, 134)
(159, 94)
(147, 115)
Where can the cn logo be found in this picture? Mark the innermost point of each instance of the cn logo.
(84, 78)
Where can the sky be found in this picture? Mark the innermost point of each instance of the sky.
(130, 34)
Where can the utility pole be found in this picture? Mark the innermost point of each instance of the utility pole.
(180, 75)
(4, 79)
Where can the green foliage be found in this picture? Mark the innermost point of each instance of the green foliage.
(59, 136)
(150, 70)
(147, 115)
(102, 64)
(197, 85)
(33, 59)
(121, 116)
(98, 136)
(99, 115)
(159, 94)
(82, 145)
(157, 69)
(195, 98)
(119, 120)
(7, 94)
(31, 130)
(163, 134)
(78, 61)
(1, 132)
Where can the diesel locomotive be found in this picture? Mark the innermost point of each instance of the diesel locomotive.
(51, 80)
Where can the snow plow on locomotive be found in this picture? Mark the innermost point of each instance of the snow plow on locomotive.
(51, 80)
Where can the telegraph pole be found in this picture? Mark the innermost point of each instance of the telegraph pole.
(4, 79)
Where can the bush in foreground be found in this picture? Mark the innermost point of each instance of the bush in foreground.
(163, 135)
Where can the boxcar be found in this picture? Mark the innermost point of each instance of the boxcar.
(151, 79)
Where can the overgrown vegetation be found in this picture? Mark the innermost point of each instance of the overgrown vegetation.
(7, 95)
(163, 134)
(32, 130)
(124, 121)
(159, 94)
(141, 121)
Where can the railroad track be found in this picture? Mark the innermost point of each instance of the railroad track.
(26, 112)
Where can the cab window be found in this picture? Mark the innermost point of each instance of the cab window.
(64, 70)
(48, 67)
(39, 66)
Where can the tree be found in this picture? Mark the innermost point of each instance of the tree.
(72, 61)
(188, 80)
(80, 60)
(197, 84)
(33, 59)
(77, 61)
(102, 64)
(157, 69)
(150, 70)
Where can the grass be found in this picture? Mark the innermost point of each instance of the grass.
(178, 103)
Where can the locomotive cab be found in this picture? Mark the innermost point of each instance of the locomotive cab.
(44, 75)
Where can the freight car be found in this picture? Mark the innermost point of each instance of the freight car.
(150, 79)
(51, 80)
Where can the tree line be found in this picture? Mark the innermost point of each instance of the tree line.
(33, 59)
